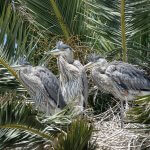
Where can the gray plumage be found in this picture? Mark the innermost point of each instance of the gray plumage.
(84, 81)
(123, 80)
(73, 78)
(43, 87)
(128, 77)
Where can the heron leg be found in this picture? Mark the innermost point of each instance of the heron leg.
(94, 99)
(122, 114)
(127, 106)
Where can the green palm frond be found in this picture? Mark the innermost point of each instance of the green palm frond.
(108, 27)
(7, 81)
(20, 123)
(77, 137)
(16, 40)
(118, 23)
(15, 37)
(22, 126)
(55, 17)
(140, 113)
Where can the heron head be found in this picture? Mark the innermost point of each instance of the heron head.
(22, 61)
(62, 49)
(95, 61)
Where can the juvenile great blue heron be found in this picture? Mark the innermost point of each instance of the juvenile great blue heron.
(74, 84)
(121, 79)
(43, 87)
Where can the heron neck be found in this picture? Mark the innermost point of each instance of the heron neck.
(70, 60)
(99, 69)
(68, 57)
(65, 69)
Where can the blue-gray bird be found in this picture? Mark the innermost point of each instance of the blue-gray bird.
(121, 79)
(43, 87)
(74, 84)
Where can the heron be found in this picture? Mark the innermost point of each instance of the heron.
(43, 87)
(123, 80)
(73, 79)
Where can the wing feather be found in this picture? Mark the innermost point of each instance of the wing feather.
(51, 85)
(128, 76)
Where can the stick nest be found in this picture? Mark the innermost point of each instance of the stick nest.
(109, 135)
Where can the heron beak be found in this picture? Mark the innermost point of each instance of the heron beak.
(89, 66)
(54, 52)
(18, 67)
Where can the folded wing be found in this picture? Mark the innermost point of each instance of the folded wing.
(51, 85)
(128, 76)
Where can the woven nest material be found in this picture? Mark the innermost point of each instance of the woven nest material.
(109, 135)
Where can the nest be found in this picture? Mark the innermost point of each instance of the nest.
(109, 135)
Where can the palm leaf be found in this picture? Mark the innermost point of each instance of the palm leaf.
(140, 112)
(21, 125)
(55, 17)
(118, 23)
(77, 137)
(15, 41)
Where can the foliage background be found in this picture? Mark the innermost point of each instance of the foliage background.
(118, 30)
